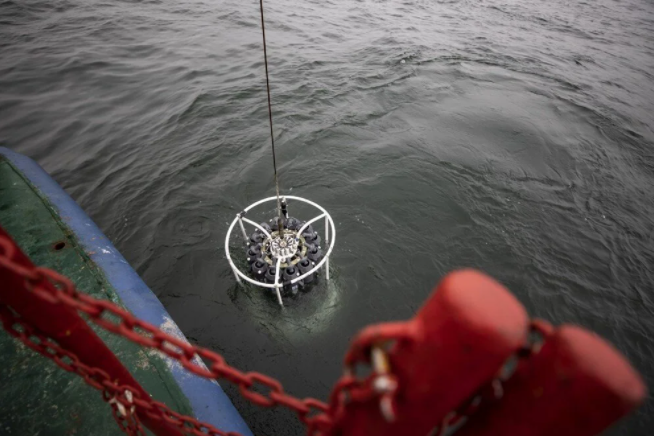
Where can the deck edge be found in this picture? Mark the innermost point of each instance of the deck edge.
(208, 400)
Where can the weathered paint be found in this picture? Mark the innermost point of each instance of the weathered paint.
(39, 398)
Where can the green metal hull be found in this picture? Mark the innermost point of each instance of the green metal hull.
(37, 397)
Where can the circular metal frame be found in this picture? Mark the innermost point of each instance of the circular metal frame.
(240, 219)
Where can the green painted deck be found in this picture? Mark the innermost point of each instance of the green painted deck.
(37, 398)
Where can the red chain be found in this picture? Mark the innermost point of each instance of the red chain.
(312, 412)
(122, 406)
(316, 415)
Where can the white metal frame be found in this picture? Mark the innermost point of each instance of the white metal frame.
(240, 218)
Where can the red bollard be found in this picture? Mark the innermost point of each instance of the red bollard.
(456, 343)
(450, 366)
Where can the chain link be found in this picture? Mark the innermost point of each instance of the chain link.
(318, 417)
(312, 412)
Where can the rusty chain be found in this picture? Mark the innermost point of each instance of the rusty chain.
(318, 417)
(109, 316)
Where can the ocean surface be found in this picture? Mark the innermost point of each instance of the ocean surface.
(516, 137)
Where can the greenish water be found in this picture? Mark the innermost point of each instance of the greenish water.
(514, 137)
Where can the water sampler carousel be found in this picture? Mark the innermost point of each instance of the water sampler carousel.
(285, 254)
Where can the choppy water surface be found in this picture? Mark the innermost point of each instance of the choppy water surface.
(513, 136)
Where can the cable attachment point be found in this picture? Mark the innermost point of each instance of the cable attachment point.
(284, 207)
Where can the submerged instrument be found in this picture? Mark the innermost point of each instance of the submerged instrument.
(284, 253)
